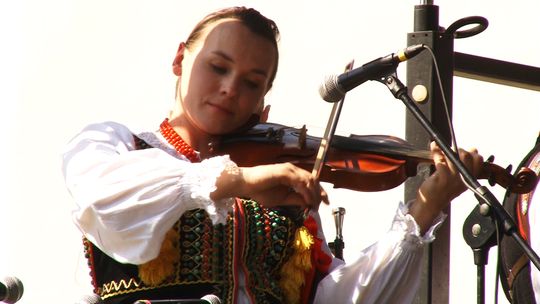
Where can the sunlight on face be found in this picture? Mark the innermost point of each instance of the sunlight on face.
(225, 77)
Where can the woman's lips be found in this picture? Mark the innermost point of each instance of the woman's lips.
(221, 109)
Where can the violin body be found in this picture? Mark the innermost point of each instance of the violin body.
(358, 162)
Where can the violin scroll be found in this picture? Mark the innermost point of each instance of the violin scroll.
(524, 181)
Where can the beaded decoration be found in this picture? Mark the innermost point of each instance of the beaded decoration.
(88, 254)
(177, 142)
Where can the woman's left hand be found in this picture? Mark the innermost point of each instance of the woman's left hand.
(445, 184)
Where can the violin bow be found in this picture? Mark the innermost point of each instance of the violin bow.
(338, 213)
(329, 132)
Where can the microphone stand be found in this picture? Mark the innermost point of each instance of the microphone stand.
(480, 233)
(494, 207)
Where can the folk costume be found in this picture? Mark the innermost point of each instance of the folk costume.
(151, 231)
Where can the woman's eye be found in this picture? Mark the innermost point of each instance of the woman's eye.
(252, 84)
(219, 69)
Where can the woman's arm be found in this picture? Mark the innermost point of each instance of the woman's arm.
(389, 271)
(386, 272)
(127, 199)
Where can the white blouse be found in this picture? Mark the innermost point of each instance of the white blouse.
(126, 200)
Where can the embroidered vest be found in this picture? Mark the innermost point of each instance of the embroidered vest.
(255, 239)
(515, 268)
(209, 260)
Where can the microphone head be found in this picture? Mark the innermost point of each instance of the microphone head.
(212, 299)
(14, 290)
(330, 90)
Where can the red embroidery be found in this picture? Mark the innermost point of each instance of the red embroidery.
(319, 259)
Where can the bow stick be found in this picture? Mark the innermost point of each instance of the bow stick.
(329, 132)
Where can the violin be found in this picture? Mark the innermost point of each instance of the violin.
(358, 162)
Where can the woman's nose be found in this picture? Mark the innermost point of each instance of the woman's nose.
(229, 86)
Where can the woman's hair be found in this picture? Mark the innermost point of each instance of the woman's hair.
(251, 18)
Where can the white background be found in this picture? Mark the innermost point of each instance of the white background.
(66, 63)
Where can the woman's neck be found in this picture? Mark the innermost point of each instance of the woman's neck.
(193, 136)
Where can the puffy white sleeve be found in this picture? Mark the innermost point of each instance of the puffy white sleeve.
(126, 199)
(386, 272)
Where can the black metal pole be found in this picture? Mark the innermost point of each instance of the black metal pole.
(434, 286)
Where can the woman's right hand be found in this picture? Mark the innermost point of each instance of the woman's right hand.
(271, 185)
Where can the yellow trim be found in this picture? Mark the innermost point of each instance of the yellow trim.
(113, 286)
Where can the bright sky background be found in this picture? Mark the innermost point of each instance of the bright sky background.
(66, 63)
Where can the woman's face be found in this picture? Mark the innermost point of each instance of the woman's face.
(225, 76)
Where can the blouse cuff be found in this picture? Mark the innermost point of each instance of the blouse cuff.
(405, 223)
(206, 184)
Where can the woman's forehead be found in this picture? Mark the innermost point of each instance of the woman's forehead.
(217, 28)
(235, 39)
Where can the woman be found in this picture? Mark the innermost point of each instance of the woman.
(159, 213)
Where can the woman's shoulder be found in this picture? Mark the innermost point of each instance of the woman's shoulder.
(105, 131)
(107, 126)
(120, 135)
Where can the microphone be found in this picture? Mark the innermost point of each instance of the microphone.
(335, 87)
(11, 290)
(207, 299)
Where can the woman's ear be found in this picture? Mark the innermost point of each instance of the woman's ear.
(177, 62)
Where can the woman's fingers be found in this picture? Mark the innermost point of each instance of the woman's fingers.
(471, 159)
(283, 184)
(447, 175)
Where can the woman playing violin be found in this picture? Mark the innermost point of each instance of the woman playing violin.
(162, 219)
